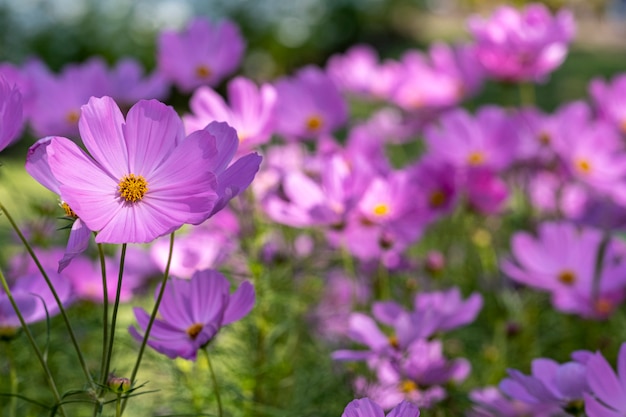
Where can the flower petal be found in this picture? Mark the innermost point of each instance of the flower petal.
(240, 304)
(101, 129)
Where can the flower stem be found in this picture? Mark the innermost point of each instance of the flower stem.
(527, 94)
(118, 292)
(31, 339)
(105, 315)
(155, 309)
(68, 325)
(215, 385)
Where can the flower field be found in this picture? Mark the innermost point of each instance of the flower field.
(434, 231)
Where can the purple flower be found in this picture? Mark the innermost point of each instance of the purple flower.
(490, 402)
(550, 384)
(144, 179)
(202, 54)
(11, 120)
(251, 111)
(365, 407)
(526, 45)
(309, 105)
(608, 389)
(192, 312)
(129, 85)
(609, 99)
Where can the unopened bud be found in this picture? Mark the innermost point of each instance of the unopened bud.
(118, 384)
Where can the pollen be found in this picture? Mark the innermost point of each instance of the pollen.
(583, 166)
(72, 117)
(133, 187)
(68, 210)
(194, 330)
(381, 209)
(544, 138)
(437, 198)
(203, 71)
(567, 277)
(476, 158)
(407, 386)
(314, 123)
(393, 341)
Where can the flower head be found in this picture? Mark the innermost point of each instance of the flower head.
(144, 179)
(11, 120)
(193, 311)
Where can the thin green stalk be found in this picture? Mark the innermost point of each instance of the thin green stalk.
(118, 406)
(105, 315)
(527, 94)
(215, 385)
(155, 309)
(12, 378)
(31, 339)
(68, 325)
(114, 316)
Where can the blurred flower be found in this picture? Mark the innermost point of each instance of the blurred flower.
(128, 84)
(562, 260)
(309, 105)
(365, 407)
(607, 396)
(251, 111)
(490, 402)
(192, 312)
(202, 54)
(11, 120)
(609, 100)
(550, 384)
(522, 45)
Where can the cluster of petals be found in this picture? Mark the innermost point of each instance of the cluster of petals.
(202, 53)
(365, 407)
(562, 259)
(192, 312)
(144, 178)
(407, 364)
(607, 388)
(522, 45)
(11, 120)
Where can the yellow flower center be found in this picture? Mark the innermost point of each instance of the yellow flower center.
(194, 330)
(393, 341)
(567, 277)
(72, 117)
(68, 211)
(544, 138)
(476, 158)
(407, 386)
(133, 187)
(583, 166)
(203, 71)
(381, 209)
(437, 198)
(314, 123)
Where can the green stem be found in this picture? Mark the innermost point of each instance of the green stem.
(13, 379)
(31, 339)
(68, 325)
(118, 406)
(118, 293)
(155, 309)
(215, 385)
(527, 94)
(105, 315)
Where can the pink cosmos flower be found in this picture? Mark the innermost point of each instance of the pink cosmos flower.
(251, 111)
(11, 120)
(202, 54)
(522, 45)
(608, 388)
(562, 259)
(490, 402)
(365, 407)
(608, 97)
(128, 83)
(356, 71)
(192, 312)
(309, 105)
(144, 179)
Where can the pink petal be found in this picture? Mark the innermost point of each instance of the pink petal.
(101, 130)
(152, 131)
(226, 141)
(363, 407)
(209, 292)
(240, 304)
(604, 383)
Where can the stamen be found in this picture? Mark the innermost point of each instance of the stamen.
(583, 166)
(407, 386)
(567, 277)
(476, 158)
(203, 71)
(68, 210)
(544, 138)
(437, 198)
(133, 187)
(314, 123)
(393, 341)
(381, 209)
(194, 330)
(72, 117)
